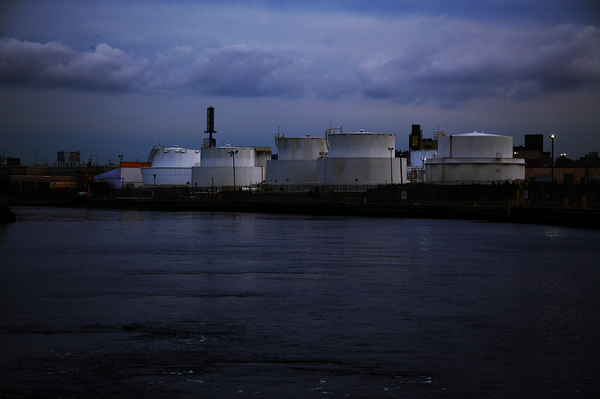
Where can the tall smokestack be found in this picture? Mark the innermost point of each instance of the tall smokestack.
(210, 125)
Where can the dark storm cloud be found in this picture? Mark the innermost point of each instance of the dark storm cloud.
(454, 62)
(476, 63)
(56, 65)
(227, 71)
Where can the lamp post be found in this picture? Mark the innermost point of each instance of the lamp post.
(232, 153)
(423, 170)
(552, 137)
(401, 179)
(391, 167)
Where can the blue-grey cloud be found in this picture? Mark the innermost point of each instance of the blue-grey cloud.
(475, 63)
(22, 62)
(453, 62)
(243, 71)
(55, 65)
(228, 71)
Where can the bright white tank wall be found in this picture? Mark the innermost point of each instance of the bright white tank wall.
(132, 176)
(167, 176)
(295, 171)
(360, 170)
(291, 148)
(475, 145)
(361, 145)
(219, 156)
(175, 157)
(207, 176)
(474, 171)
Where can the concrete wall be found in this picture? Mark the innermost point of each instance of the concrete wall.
(574, 175)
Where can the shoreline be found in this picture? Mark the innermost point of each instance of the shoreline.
(335, 206)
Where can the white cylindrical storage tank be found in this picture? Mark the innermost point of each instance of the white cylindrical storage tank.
(475, 145)
(294, 148)
(453, 171)
(292, 171)
(175, 157)
(361, 145)
(220, 156)
(207, 176)
(360, 170)
(166, 176)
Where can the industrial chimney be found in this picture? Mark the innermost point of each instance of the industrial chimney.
(210, 126)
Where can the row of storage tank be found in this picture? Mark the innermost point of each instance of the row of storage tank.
(342, 158)
(339, 158)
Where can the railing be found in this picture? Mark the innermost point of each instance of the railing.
(323, 188)
(542, 195)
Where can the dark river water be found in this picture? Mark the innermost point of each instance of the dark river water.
(112, 303)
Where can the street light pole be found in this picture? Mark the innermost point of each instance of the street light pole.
(232, 153)
(401, 172)
(391, 166)
(552, 137)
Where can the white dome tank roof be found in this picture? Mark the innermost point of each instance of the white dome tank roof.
(162, 156)
(476, 133)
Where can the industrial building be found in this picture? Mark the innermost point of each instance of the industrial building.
(128, 174)
(533, 151)
(420, 149)
(474, 158)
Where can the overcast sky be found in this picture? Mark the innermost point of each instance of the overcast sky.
(116, 77)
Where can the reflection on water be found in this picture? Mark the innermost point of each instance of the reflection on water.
(552, 232)
(103, 303)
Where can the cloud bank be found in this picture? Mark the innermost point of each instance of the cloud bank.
(451, 63)
(470, 62)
